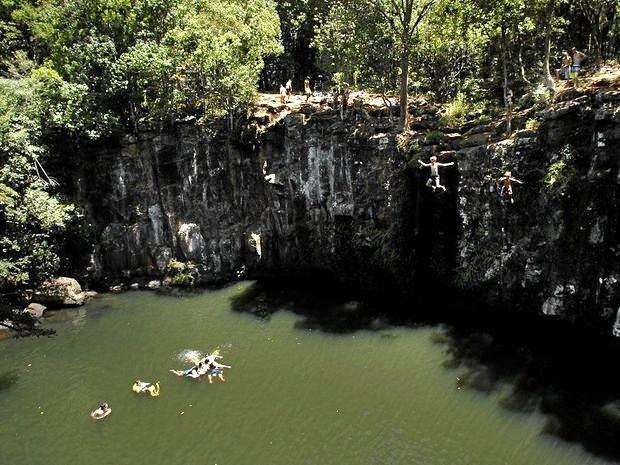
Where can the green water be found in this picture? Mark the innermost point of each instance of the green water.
(293, 396)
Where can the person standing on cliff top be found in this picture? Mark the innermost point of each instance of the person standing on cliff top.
(307, 90)
(578, 58)
(433, 181)
(289, 90)
(506, 191)
(567, 62)
(282, 95)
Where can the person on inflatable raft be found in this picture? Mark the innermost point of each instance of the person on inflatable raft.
(141, 387)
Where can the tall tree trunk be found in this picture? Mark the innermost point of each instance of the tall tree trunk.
(507, 91)
(597, 36)
(404, 88)
(548, 78)
(522, 66)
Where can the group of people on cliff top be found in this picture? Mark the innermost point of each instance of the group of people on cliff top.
(506, 192)
(206, 365)
(286, 91)
(572, 60)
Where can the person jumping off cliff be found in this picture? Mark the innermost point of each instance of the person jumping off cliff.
(506, 191)
(433, 181)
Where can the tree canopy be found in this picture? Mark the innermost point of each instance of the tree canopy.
(92, 69)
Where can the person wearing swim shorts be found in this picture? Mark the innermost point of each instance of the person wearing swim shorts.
(216, 369)
(506, 190)
(434, 181)
(578, 58)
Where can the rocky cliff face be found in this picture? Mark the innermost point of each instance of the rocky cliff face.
(307, 192)
(557, 248)
(314, 192)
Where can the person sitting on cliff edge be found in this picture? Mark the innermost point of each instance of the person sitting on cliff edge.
(506, 191)
(434, 181)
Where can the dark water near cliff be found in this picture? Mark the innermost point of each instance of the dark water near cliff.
(314, 381)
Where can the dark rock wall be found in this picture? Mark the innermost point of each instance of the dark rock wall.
(339, 196)
(320, 194)
(557, 248)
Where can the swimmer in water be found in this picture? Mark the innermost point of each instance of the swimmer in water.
(216, 369)
(103, 411)
(202, 368)
(212, 357)
(140, 387)
(189, 372)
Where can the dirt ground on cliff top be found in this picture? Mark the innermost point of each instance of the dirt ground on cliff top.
(608, 78)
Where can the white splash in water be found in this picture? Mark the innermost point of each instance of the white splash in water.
(190, 356)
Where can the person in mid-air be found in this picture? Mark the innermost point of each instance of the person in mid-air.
(506, 191)
(434, 181)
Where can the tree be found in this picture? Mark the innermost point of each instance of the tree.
(403, 18)
(352, 41)
(549, 9)
(32, 217)
(599, 16)
(449, 51)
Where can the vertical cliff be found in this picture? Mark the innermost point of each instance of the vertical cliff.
(312, 192)
(557, 248)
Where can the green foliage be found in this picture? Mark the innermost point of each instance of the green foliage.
(448, 51)
(484, 119)
(538, 96)
(182, 274)
(124, 60)
(352, 44)
(532, 124)
(435, 137)
(32, 218)
(455, 112)
(559, 174)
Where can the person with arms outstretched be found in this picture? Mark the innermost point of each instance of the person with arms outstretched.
(216, 369)
(506, 191)
(434, 181)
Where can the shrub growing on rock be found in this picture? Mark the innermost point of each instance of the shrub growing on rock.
(182, 274)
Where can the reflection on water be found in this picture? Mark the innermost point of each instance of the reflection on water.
(75, 316)
(315, 378)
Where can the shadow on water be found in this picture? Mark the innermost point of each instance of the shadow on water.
(566, 374)
(8, 379)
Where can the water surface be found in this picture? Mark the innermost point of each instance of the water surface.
(295, 395)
